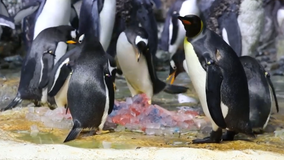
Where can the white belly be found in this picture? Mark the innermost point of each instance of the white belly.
(61, 96)
(107, 18)
(136, 73)
(198, 78)
(54, 13)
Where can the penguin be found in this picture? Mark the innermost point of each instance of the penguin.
(173, 31)
(219, 80)
(261, 90)
(177, 65)
(107, 12)
(222, 18)
(136, 63)
(5, 19)
(90, 92)
(138, 13)
(251, 22)
(46, 50)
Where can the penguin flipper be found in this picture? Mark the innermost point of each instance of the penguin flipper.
(213, 96)
(48, 61)
(17, 100)
(26, 11)
(59, 81)
(75, 131)
(229, 23)
(273, 91)
(174, 89)
(175, 28)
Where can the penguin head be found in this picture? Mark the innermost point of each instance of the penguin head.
(76, 39)
(192, 24)
(176, 65)
(141, 44)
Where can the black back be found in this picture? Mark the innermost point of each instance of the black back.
(260, 94)
(87, 93)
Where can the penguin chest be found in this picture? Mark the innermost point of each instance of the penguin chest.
(136, 73)
(107, 16)
(198, 78)
(54, 13)
(61, 96)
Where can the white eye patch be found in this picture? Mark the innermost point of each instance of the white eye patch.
(173, 65)
(139, 39)
(81, 38)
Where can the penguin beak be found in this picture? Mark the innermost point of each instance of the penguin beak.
(71, 42)
(172, 77)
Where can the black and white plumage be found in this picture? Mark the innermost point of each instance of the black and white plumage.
(219, 80)
(89, 86)
(45, 51)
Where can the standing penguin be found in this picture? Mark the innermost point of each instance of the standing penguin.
(136, 64)
(90, 93)
(219, 80)
(85, 75)
(173, 32)
(261, 90)
(46, 50)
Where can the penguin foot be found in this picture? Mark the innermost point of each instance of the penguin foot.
(229, 136)
(215, 137)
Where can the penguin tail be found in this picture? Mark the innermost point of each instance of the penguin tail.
(17, 100)
(75, 131)
(174, 89)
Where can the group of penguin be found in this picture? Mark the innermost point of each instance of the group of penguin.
(234, 90)
(75, 65)
(72, 67)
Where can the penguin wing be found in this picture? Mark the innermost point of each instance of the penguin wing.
(62, 70)
(231, 33)
(7, 21)
(62, 73)
(110, 87)
(26, 11)
(175, 27)
(158, 85)
(273, 91)
(47, 65)
(213, 96)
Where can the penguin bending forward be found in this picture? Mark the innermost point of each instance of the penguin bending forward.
(136, 63)
(46, 49)
(219, 80)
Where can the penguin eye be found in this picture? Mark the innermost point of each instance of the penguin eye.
(173, 65)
